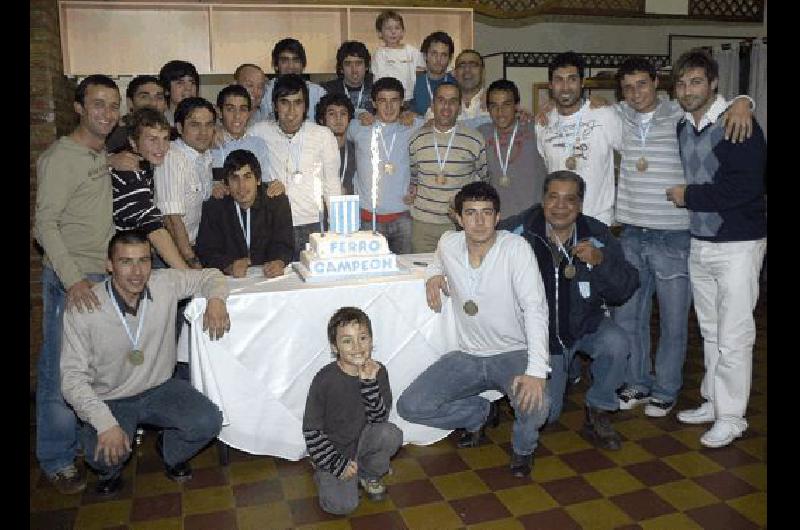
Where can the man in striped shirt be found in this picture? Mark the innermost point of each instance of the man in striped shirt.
(444, 157)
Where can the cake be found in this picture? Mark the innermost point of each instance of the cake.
(345, 251)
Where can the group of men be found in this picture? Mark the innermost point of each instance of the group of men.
(240, 184)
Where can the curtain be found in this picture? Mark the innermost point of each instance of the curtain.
(728, 60)
(758, 81)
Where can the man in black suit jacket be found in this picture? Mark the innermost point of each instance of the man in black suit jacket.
(246, 228)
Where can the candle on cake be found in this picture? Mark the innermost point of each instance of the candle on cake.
(376, 160)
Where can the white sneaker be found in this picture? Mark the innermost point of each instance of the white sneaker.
(702, 414)
(721, 434)
(658, 408)
(630, 397)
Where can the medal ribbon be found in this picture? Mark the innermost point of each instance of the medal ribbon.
(644, 131)
(357, 104)
(344, 164)
(388, 152)
(245, 228)
(561, 247)
(295, 150)
(134, 340)
(504, 165)
(447, 152)
(570, 147)
(473, 275)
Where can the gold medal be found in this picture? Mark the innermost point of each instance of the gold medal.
(569, 271)
(441, 179)
(388, 168)
(135, 357)
(505, 181)
(470, 308)
(571, 163)
(641, 164)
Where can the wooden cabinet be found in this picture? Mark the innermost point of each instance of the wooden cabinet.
(137, 37)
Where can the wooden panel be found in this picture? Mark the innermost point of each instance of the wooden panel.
(244, 35)
(120, 40)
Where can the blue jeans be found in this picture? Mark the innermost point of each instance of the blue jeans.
(188, 418)
(662, 259)
(608, 348)
(56, 423)
(446, 396)
(397, 232)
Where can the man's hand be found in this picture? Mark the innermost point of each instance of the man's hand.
(238, 268)
(113, 445)
(80, 296)
(738, 120)
(677, 194)
(216, 319)
(366, 119)
(524, 116)
(588, 253)
(528, 392)
(349, 471)
(275, 188)
(274, 268)
(544, 110)
(124, 161)
(219, 138)
(368, 370)
(433, 286)
(596, 102)
(412, 194)
(407, 118)
(194, 263)
(219, 189)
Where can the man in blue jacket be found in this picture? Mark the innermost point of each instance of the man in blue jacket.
(583, 269)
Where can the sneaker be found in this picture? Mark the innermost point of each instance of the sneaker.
(599, 431)
(180, 472)
(630, 397)
(109, 487)
(702, 414)
(374, 489)
(68, 480)
(721, 434)
(658, 408)
(474, 439)
(521, 464)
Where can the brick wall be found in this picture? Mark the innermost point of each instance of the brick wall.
(51, 115)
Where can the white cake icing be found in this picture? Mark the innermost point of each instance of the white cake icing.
(359, 254)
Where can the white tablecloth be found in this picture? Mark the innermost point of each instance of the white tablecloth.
(260, 372)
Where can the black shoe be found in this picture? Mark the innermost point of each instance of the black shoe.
(521, 465)
(108, 487)
(474, 439)
(180, 472)
(599, 430)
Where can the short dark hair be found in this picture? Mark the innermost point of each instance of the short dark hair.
(126, 237)
(438, 36)
(387, 83)
(565, 176)
(186, 107)
(696, 58)
(146, 117)
(388, 14)
(447, 83)
(347, 315)
(288, 45)
(236, 160)
(286, 85)
(477, 191)
(241, 67)
(561, 60)
(174, 70)
(504, 85)
(635, 64)
(92, 80)
(141, 80)
(351, 48)
(234, 90)
(333, 99)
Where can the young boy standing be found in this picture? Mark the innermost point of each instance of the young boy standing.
(345, 423)
(395, 59)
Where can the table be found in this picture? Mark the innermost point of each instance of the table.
(259, 373)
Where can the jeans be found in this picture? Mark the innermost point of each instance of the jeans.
(301, 235)
(397, 232)
(608, 349)
(376, 445)
(425, 236)
(56, 423)
(661, 257)
(446, 396)
(188, 418)
(725, 285)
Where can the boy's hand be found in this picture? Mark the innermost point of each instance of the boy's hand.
(349, 471)
(368, 370)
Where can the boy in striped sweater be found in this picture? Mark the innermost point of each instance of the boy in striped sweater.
(345, 422)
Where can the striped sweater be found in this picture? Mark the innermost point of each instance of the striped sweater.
(465, 163)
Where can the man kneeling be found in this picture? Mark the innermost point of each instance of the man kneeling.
(501, 323)
(117, 362)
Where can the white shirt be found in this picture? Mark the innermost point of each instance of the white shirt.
(714, 111)
(508, 289)
(315, 149)
(600, 134)
(400, 63)
(182, 183)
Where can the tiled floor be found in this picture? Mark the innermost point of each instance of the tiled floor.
(661, 478)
